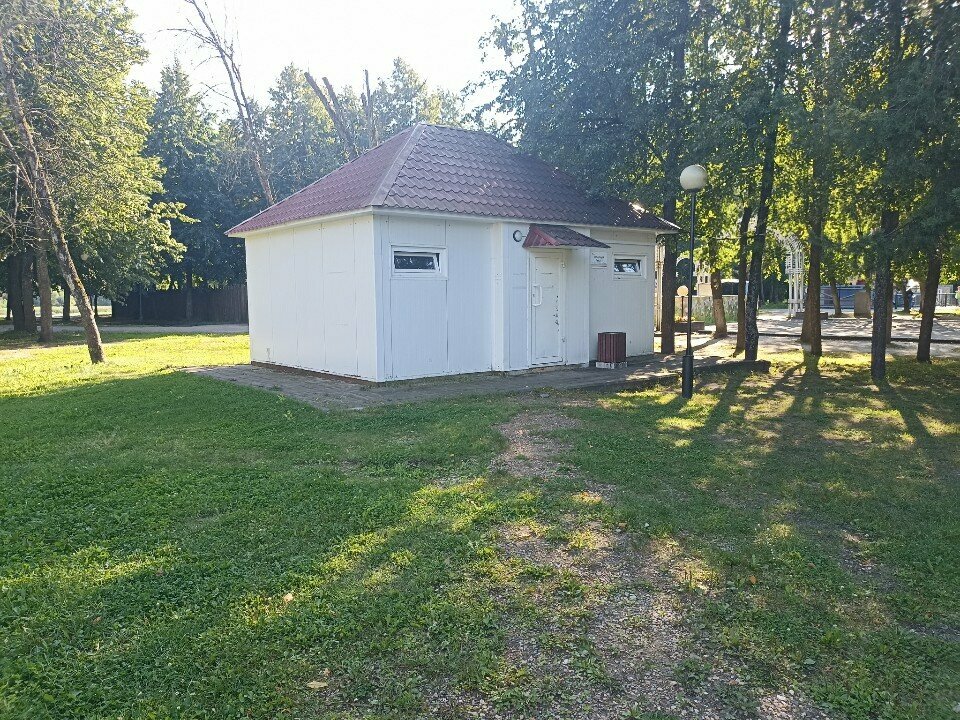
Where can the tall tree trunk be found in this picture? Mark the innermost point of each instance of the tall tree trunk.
(890, 309)
(889, 217)
(881, 311)
(334, 108)
(719, 312)
(780, 52)
(26, 291)
(46, 294)
(882, 297)
(835, 292)
(188, 294)
(676, 113)
(668, 288)
(369, 111)
(752, 336)
(66, 305)
(812, 330)
(928, 303)
(44, 203)
(15, 292)
(744, 242)
(811, 335)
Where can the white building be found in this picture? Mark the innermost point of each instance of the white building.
(446, 251)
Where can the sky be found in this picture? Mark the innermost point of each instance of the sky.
(337, 39)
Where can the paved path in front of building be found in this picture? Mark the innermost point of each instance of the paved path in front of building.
(906, 328)
(772, 345)
(330, 393)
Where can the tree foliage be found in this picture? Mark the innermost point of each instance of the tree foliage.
(75, 129)
(833, 120)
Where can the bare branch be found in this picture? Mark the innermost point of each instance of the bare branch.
(335, 110)
(211, 37)
(367, 101)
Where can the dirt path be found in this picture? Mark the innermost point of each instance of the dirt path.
(603, 626)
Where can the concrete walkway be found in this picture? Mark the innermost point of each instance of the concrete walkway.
(772, 345)
(328, 393)
(906, 328)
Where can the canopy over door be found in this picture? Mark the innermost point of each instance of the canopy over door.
(544, 236)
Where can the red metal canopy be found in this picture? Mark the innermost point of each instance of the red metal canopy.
(558, 236)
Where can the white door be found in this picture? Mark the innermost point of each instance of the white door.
(546, 301)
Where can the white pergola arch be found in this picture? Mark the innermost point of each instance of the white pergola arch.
(796, 272)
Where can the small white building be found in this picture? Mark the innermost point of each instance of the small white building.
(446, 251)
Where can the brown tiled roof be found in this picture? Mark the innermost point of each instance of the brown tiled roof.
(449, 170)
(558, 236)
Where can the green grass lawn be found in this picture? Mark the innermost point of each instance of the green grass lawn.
(172, 546)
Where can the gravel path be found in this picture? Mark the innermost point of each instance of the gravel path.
(622, 645)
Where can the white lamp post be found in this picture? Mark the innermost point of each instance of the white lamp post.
(693, 179)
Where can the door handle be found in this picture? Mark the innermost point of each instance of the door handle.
(538, 289)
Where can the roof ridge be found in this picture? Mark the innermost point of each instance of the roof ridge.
(390, 176)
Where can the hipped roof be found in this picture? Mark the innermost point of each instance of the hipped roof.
(450, 170)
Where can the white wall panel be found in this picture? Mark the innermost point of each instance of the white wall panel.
(303, 300)
(339, 298)
(365, 297)
(623, 304)
(437, 324)
(309, 270)
(418, 327)
(516, 265)
(500, 316)
(258, 297)
(577, 318)
(469, 297)
(284, 323)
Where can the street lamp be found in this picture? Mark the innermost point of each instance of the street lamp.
(692, 180)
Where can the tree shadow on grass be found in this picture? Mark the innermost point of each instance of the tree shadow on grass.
(841, 520)
(818, 462)
(154, 527)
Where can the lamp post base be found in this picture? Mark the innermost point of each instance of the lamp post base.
(687, 377)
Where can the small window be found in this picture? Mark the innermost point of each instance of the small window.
(632, 267)
(407, 261)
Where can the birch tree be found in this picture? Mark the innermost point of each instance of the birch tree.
(76, 128)
(25, 150)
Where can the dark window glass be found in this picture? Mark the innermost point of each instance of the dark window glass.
(631, 267)
(415, 261)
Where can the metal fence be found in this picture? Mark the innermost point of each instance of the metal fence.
(846, 293)
(945, 298)
(224, 305)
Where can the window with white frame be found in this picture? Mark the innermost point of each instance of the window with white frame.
(629, 267)
(416, 262)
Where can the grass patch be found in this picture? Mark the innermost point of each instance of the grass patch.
(818, 517)
(174, 546)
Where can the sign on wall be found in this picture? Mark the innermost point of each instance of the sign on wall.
(598, 259)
